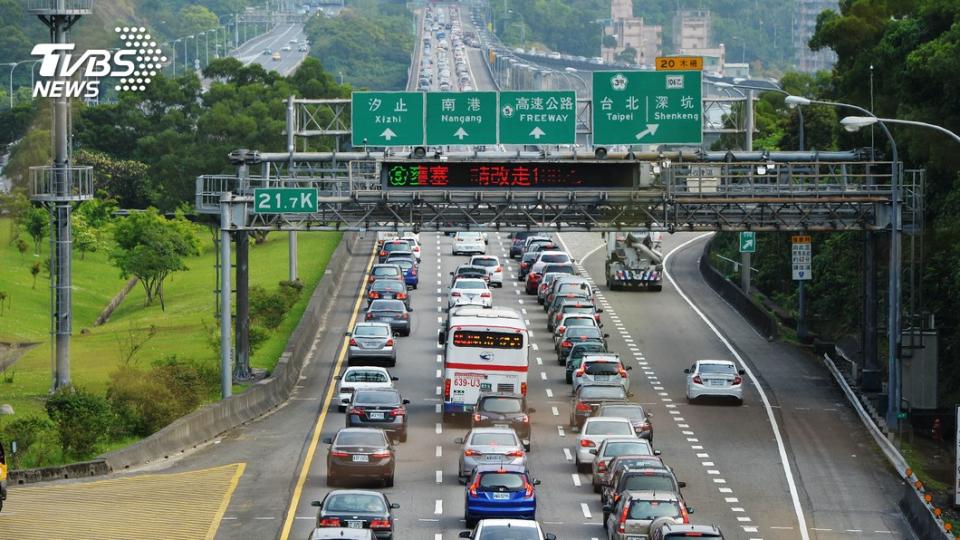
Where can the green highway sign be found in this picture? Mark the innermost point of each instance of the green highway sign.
(387, 118)
(647, 107)
(748, 242)
(284, 200)
(538, 117)
(461, 118)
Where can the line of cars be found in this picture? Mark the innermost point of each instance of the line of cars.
(640, 495)
(445, 30)
(375, 413)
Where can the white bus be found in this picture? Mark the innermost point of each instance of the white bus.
(485, 350)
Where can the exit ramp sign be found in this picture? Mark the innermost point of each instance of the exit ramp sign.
(647, 107)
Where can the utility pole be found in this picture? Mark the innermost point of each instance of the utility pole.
(291, 147)
(748, 146)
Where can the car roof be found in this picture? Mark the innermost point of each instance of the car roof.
(721, 362)
(494, 467)
(554, 252)
(651, 495)
(359, 430)
(519, 523)
(594, 419)
(677, 527)
(467, 280)
(381, 265)
(471, 267)
(356, 491)
(372, 323)
(324, 533)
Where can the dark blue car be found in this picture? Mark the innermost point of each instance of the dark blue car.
(409, 268)
(499, 491)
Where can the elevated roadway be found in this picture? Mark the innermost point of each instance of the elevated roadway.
(252, 51)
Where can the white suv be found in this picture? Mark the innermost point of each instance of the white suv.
(492, 265)
(468, 243)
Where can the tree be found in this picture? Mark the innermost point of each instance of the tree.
(38, 226)
(85, 237)
(195, 18)
(35, 271)
(22, 246)
(150, 247)
(126, 181)
(3, 300)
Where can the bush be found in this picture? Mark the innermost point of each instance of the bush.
(30, 434)
(266, 308)
(83, 420)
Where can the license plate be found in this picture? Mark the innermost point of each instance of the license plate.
(718, 382)
(603, 377)
(370, 345)
(376, 416)
(361, 458)
(492, 457)
(501, 425)
(354, 524)
(501, 496)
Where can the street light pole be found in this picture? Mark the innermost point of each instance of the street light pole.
(174, 55)
(186, 61)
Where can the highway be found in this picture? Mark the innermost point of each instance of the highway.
(252, 51)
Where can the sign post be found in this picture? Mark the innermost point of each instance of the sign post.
(461, 118)
(386, 118)
(748, 242)
(956, 496)
(802, 271)
(647, 107)
(538, 117)
(284, 200)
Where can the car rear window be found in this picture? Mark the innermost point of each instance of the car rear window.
(387, 305)
(608, 428)
(589, 322)
(632, 412)
(627, 448)
(503, 532)
(371, 331)
(572, 287)
(498, 480)
(404, 264)
(484, 262)
(493, 439)
(501, 405)
(468, 235)
(360, 438)
(650, 510)
(369, 376)
(397, 246)
(602, 368)
(559, 268)
(594, 392)
(471, 285)
(555, 258)
(388, 285)
(528, 257)
(588, 330)
(354, 502)
(577, 352)
(382, 271)
(718, 368)
(377, 397)
(578, 309)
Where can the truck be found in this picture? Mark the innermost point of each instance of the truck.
(634, 261)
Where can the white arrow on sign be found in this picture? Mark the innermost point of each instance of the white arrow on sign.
(388, 134)
(537, 133)
(651, 130)
(460, 133)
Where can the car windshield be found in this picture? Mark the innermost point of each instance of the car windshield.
(718, 368)
(627, 448)
(366, 375)
(354, 502)
(650, 510)
(360, 438)
(653, 482)
(554, 258)
(602, 368)
(528, 257)
(484, 262)
(597, 392)
(501, 405)
(471, 285)
(632, 412)
(498, 480)
(376, 397)
(493, 439)
(387, 305)
(371, 331)
(572, 287)
(503, 532)
(607, 428)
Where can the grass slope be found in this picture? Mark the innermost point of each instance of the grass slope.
(182, 329)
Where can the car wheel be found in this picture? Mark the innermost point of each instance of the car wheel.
(393, 362)
(331, 479)
(403, 437)
(596, 487)
(568, 378)
(388, 481)
(739, 402)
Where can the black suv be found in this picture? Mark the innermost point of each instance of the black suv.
(630, 479)
(503, 409)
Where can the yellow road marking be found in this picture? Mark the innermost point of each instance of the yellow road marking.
(318, 428)
(215, 525)
(184, 506)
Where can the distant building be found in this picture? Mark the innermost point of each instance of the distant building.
(631, 32)
(804, 25)
(691, 37)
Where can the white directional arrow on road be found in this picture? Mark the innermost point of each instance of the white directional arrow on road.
(388, 134)
(460, 134)
(651, 130)
(537, 133)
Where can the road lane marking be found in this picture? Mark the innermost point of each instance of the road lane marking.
(318, 427)
(736, 509)
(439, 373)
(555, 411)
(439, 428)
(439, 408)
(703, 455)
(560, 431)
(576, 480)
(775, 426)
(438, 508)
(549, 393)
(709, 464)
(543, 375)
(439, 390)
(585, 510)
(439, 477)
(732, 500)
(439, 451)
(725, 490)
(539, 361)
(567, 455)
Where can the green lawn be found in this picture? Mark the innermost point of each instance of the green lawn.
(95, 352)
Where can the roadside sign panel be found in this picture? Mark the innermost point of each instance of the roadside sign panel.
(802, 258)
(647, 107)
(679, 63)
(748, 242)
(467, 118)
(386, 118)
(538, 117)
(284, 200)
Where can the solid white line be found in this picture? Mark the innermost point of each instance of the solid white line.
(585, 510)
(576, 479)
(781, 448)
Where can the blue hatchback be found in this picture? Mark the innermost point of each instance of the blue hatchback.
(409, 268)
(499, 491)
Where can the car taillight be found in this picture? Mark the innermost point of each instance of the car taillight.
(353, 342)
(477, 417)
(381, 454)
(370, 279)
(383, 253)
(389, 342)
(337, 453)
(329, 522)
(561, 330)
(399, 411)
(446, 389)
(373, 295)
(584, 406)
(596, 317)
(737, 380)
(523, 388)
(587, 443)
(401, 296)
(566, 344)
(455, 294)
(475, 484)
(485, 295)
(356, 410)
(621, 524)
(622, 372)
(515, 453)
(525, 419)
(380, 524)
(469, 452)
(369, 316)
(697, 379)
(601, 465)
(527, 488)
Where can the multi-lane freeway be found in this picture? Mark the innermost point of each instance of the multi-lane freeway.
(280, 36)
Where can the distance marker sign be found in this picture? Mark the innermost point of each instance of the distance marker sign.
(538, 117)
(647, 107)
(455, 118)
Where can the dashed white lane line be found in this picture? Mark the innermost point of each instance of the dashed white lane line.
(586, 511)
(549, 392)
(439, 428)
(439, 390)
(555, 411)
(539, 361)
(560, 431)
(438, 508)
(567, 455)
(439, 373)
(438, 536)
(439, 452)
(439, 358)
(543, 375)
(439, 477)
(576, 479)
(439, 408)
(731, 499)
(736, 509)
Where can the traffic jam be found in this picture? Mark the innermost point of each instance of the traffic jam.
(485, 350)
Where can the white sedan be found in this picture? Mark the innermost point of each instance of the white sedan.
(594, 431)
(358, 377)
(492, 265)
(470, 292)
(714, 378)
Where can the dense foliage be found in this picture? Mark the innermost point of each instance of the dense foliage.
(369, 43)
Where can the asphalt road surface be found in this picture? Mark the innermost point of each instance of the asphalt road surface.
(252, 51)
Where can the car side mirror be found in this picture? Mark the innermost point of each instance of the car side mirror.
(451, 273)
(531, 410)
(657, 452)
(681, 484)
(599, 310)
(536, 482)
(742, 372)
(394, 378)
(549, 536)
(628, 368)
(336, 377)
(458, 440)
(348, 334)
(318, 504)
(465, 534)
(406, 402)
(686, 370)
(410, 308)
(394, 506)
(328, 440)
(593, 451)
(607, 509)
(690, 510)
(605, 336)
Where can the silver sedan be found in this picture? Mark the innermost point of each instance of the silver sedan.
(489, 445)
(714, 378)
(372, 341)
